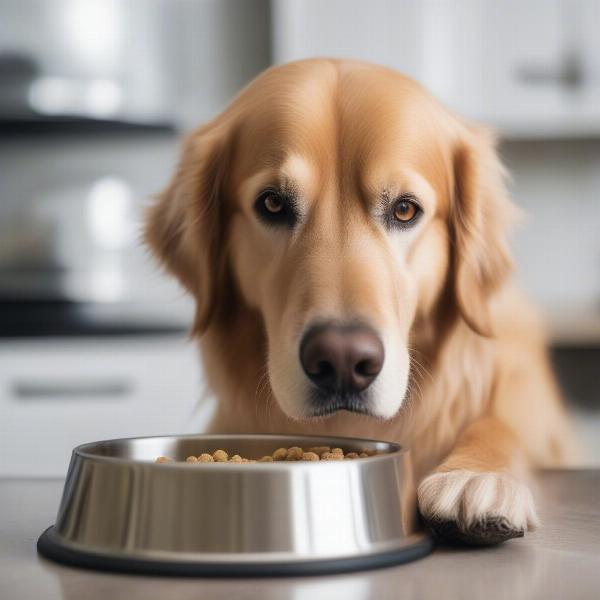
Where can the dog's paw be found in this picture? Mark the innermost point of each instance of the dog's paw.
(476, 508)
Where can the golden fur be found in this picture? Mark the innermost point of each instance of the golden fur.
(469, 389)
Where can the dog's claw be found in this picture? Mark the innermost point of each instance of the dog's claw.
(489, 532)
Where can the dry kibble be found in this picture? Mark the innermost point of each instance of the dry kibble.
(220, 456)
(294, 453)
(310, 456)
(280, 454)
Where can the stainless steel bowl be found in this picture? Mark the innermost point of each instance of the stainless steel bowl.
(122, 511)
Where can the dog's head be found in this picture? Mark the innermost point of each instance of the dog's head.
(344, 205)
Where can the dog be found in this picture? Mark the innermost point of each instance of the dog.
(345, 239)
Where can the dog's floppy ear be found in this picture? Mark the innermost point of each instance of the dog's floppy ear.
(184, 228)
(480, 215)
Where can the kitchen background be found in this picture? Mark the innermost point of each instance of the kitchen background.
(94, 95)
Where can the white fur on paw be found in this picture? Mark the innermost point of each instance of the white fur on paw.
(469, 497)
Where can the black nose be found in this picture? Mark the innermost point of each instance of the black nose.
(342, 359)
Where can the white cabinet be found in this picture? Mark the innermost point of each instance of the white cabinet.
(537, 64)
(56, 394)
(530, 68)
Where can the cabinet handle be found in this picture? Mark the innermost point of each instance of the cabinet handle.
(48, 390)
(569, 74)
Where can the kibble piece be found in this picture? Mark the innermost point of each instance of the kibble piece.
(163, 459)
(220, 456)
(337, 451)
(294, 453)
(280, 454)
(319, 449)
(352, 455)
(332, 456)
(363, 455)
(310, 456)
(204, 458)
(236, 458)
(266, 459)
(191, 459)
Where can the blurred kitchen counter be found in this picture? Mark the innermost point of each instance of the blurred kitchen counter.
(561, 560)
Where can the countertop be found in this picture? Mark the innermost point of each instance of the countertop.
(560, 560)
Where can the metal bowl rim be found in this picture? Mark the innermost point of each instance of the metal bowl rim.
(82, 450)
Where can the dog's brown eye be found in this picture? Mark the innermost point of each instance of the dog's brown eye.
(273, 203)
(276, 208)
(405, 210)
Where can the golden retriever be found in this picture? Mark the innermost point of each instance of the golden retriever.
(345, 239)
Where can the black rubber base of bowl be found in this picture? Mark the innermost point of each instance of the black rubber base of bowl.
(50, 546)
